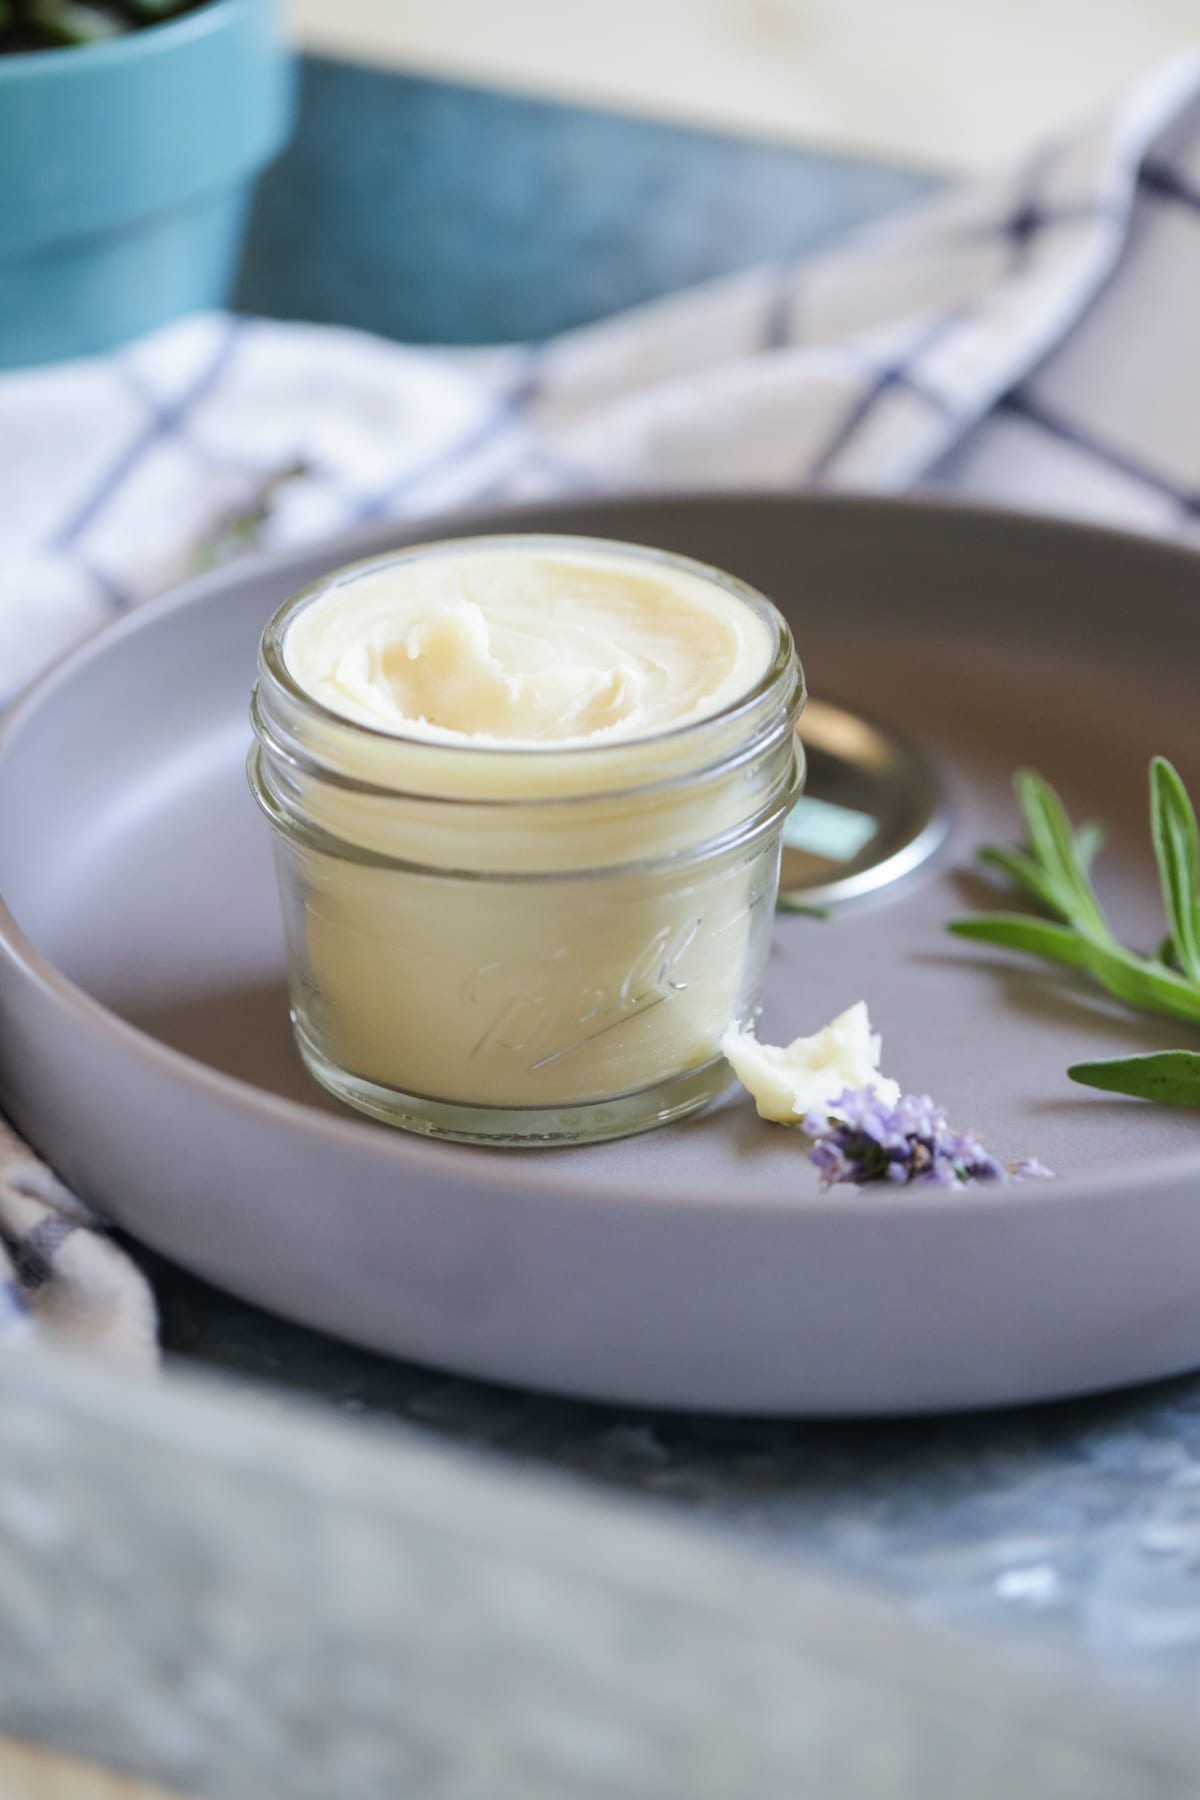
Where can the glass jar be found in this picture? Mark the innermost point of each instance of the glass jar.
(525, 945)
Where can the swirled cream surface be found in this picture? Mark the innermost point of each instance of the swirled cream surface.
(527, 647)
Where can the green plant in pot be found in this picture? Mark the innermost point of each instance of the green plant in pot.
(131, 134)
(45, 24)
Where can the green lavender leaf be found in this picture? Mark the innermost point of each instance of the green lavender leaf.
(1169, 1076)
(1054, 869)
(1177, 848)
(1047, 885)
(1056, 849)
(785, 903)
(47, 24)
(71, 22)
(1089, 839)
(1027, 874)
(1016, 931)
(1126, 976)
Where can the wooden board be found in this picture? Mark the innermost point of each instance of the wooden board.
(35, 1774)
(924, 82)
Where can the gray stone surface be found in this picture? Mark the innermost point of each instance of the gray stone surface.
(1075, 1526)
(248, 1600)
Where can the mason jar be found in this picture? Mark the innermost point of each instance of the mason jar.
(525, 945)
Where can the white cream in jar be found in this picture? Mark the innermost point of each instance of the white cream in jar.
(527, 795)
(548, 647)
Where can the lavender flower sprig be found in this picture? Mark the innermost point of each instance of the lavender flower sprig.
(860, 1138)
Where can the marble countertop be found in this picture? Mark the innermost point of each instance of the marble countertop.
(1076, 1526)
(246, 1599)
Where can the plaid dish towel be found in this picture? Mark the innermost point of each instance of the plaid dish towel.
(1033, 340)
(58, 1272)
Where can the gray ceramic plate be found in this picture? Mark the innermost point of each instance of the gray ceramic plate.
(145, 1048)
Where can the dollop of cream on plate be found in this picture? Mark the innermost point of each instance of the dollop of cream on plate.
(789, 1080)
(524, 646)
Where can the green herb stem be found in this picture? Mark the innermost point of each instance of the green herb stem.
(1053, 868)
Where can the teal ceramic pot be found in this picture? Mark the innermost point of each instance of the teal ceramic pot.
(126, 168)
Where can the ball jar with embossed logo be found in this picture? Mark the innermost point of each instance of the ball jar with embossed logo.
(534, 932)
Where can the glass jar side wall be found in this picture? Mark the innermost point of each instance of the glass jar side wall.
(526, 1011)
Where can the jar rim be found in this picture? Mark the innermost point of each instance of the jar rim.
(319, 838)
(303, 762)
(273, 661)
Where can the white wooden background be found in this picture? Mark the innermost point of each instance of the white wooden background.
(30, 1774)
(939, 82)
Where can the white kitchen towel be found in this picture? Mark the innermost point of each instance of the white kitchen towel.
(1033, 340)
(61, 1274)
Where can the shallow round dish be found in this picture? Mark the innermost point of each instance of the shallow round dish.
(145, 1045)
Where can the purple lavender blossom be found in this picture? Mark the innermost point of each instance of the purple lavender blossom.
(860, 1138)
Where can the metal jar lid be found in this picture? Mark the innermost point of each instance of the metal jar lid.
(872, 811)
